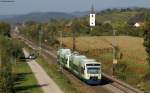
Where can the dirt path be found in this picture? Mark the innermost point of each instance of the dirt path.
(46, 83)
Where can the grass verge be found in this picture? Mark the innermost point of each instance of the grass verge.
(25, 81)
(65, 84)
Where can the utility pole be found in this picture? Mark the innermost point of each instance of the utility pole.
(40, 38)
(74, 40)
(74, 28)
(0, 60)
(61, 45)
(61, 41)
(114, 52)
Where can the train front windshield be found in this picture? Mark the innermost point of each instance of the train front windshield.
(93, 70)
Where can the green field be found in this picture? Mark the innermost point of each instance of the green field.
(25, 81)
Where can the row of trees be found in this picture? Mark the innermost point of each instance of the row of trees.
(119, 10)
(9, 52)
(101, 29)
(147, 42)
(46, 32)
(53, 27)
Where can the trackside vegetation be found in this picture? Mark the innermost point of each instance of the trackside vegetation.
(9, 52)
(63, 81)
(15, 74)
(147, 44)
(24, 79)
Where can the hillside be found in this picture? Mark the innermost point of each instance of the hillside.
(116, 19)
(37, 17)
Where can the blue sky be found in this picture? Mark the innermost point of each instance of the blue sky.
(28, 6)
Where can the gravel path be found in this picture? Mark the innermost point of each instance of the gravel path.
(46, 83)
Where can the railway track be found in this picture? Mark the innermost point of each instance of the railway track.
(108, 85)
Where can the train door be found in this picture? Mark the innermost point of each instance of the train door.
(68, 60)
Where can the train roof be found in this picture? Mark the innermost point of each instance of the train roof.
(78, 57)
(92, 62)
(89, 61)
(64, 49)
(64, 52)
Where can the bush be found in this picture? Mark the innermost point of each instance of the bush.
(121, 70)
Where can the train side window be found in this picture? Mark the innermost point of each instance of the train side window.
(82, 70)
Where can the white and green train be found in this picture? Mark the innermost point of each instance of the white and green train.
(86, 69)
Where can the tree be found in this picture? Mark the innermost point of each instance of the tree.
(147, 44)
(6, 84)
(6, 79)
(9, 50)
(147, 38)
(5, 29)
